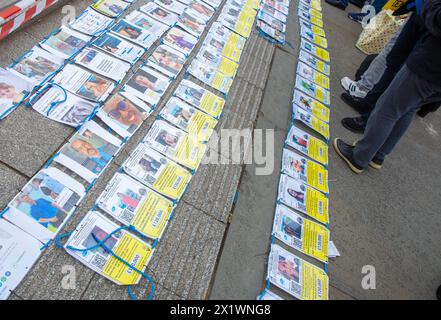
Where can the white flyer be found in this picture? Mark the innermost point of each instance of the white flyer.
(167, 60)
(65, 42)
(171, 5)
(180, 40)
(273, 33)
(311, 105)
(282, 6)
(273, 12)
(213, 3)
(210, 76)
(191, 23)
(13, 91)
(204, 11)
(271, 21)
(91, 22)
(305, 143)
(133, 33)
(309, 35)
(111, 8)
(211, 57)
(314, 62)
(160, 14)
(119, 47)
(142, 20)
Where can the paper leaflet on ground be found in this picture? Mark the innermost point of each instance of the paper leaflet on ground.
(196, 123)
(332, 250)
(226, 42)
(62, 106)
(311, 121)
(36, 66)
(303, 198)
(89, 151)
(310, 36)
(308, 145)
(268, 295)
(314, 62)
(13, 91)
(308, 17)
(124, 113)
(305, 170)
(315, 4)
(103, 64)
(311, 105)
(167, 60)
(84, 84)
(119, 47)
(135, 34)
(314, 50)
(299, 278)
(171, 5)
(272, 12)
(191, 23)
(157, 172)
(209, 56)
(152, 26)
(159, 13)
(18, 252)
(180, 40)
(281, 6)
(45, 204)
(312, 89)
(204, 11)
(210, 76)
(147, 84)
(91, 22)
(271, 21)
(214, 3)
(95, 227)
(240, 22)
(312, 75)
(175, 144)
(133, 204)
(273, 33)
(314, 13)
(65, 42)
(200, 98)
(111, 8)
(313, 28)
(304, 235)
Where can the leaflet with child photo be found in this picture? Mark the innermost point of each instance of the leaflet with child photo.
(45, 203)
(175, 144)
(312, 37)
(124, 113)
(311, 121)
(297, 277)
(95, 228)
(133, 33)
(314, 50)
(171, 5)
(65, 42)
(103, 64)
(91, 22)
(311, 105)
(37, 66)
(272, 12)
(18, 253)
(308, 145)
(209, 56)
(111, 8)
(273, 33)
(271, 21)
(62, 106)
(281, 6)
(314, 62)
(200, 98)
(142, 20)
(160, 14)
(13, 91)
(305, 170)
(119, 47)
(89, 151)
(133, 204)
(314, 90)
(148, 85)
(194, 122)
(210, 76)
(313, 28)
(180, 40)
(191, 23)
(310, 18)
(167, 60)
(157, 172)
(304, 235)
(83, 83)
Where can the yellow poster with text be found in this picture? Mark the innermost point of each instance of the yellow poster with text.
(228, 67)
(320, 126)
(320, 111)
(189, 152)
(394, 4)
(318, 150)
(317, 205)
(317, 176)
(321, 41)
(315, 282)
(318, 31)
(201, 125)
(318, 22)
(315, 240)
(212, 104)
(322, 54)
(321, 80)
(172, 181)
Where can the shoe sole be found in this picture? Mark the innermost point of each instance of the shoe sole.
(349, 163)
(371, 164)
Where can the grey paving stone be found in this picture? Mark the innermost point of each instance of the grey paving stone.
(14, 46)
(254, 70)
(244, 99)
(10, 184)
(258, 47)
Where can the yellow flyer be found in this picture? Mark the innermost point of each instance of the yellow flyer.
(94, 228)
(315, 50)
(209, 75)
(314, 62)
(311, 74)
(308, 237)
(309, 17)
(305, 170)
(200, 98)
(299, 278)
(312, 89)
(226, 42)
(315, 29)
(313, 106)
(311, 36)
(308, 145)
(133, 204)
(393, 4)
(157, 172)
(311, 121)
(208, 55)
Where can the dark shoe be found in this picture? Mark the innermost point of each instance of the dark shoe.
(356, 125)
(356, 103)
(336, 3)
(357, 3)
(376, 163)
(345, 151)
(357, 17)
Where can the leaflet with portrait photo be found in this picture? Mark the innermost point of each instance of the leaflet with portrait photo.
(314, 62)
(45, 204)
(37, 66)
(271, 21)
(157, 172)
(167, 60)
(313, 75)
(305, 170)
(204, 11)
(210, 76)
(148, 85)
(310, 18)
(314, 4)
(92, 229)
(65, 42)
(311, 105)
(273, 12)
(314, 13)
(200, 98)
(240, 22)
(142, 20)
(160, 14)
(119, 47)
(226, 36)
(314, 148)
(191, 23)
(124, 113)
(297, 277)
(89, 151)
(111, 8)
(230, 45)
(304, 235)
(180, 40)
(314, 90)
(313, 28)
(314, 50)
(18, 253)
(171, 5)
(133, 204)
(273, 33)
(91, 22)
(83, 83)
(281, 6)
(133, 33)
(13, 91)
(62, 106)
(311, 121)
(312, 37)
(208, 55)
(176, 144)
(196, 123)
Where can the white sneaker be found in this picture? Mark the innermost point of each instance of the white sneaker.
(351, 87)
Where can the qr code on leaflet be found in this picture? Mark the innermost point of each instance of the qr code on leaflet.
(295, 288)
(127, 216)
(98, 261)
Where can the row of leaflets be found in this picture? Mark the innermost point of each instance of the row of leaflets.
(143, 195)
(301, 215)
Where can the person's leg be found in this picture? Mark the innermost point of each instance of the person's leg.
(341, 4)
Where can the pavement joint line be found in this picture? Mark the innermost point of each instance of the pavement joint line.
(343, 291)
(14, 169)
(202, 210)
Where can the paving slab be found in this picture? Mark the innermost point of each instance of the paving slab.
(10, 184)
